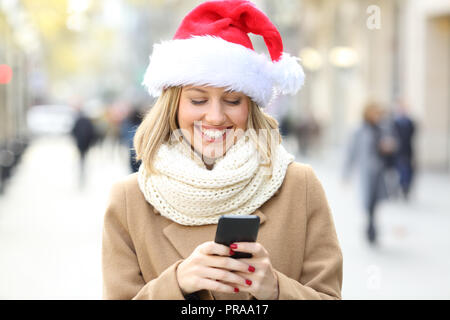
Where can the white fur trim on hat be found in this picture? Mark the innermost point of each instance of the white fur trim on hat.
(212, 61)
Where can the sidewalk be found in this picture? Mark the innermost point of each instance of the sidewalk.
(50, 231)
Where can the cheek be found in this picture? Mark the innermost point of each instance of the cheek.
(186, 116)
(239, 117)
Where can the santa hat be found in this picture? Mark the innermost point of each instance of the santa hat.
(211, 47)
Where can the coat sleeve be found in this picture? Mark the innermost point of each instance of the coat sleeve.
(122, 277)
(351, 154)
(321, 276)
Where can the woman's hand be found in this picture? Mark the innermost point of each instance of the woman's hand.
(264, 282)
(210, 267)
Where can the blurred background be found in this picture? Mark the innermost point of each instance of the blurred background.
(373, 119)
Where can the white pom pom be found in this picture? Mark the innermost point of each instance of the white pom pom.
(288, 74)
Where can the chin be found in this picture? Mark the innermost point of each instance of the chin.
(213, 151)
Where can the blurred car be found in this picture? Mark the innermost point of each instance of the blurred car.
(50, 119)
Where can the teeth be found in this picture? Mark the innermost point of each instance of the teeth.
(213, 133)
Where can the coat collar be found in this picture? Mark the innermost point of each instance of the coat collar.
(186, 238)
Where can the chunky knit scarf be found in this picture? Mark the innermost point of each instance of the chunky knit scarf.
(188, 193)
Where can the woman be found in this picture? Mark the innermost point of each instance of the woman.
(207, 149)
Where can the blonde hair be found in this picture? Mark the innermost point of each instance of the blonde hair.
(371, 112)
(161, 121)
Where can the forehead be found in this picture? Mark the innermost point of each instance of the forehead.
(209, 89)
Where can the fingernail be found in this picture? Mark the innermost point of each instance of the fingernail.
(231, 252)
(251, 268)
(236, 290)
(233, 246)
(249, 282)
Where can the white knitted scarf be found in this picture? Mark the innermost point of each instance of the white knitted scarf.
(188, 193)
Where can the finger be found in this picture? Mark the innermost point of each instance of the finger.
(255, 248)
(214, 285)
(250, 279)
(225, 276)
(248, 276)
(227, 263)
(241, 288)
(213, 248)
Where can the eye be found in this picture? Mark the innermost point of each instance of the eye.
(235, 102)
(198, 102)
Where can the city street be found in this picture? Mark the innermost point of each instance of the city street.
(50, 229)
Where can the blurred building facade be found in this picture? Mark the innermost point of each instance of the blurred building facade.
(14, 99)
(425, 65)
(352, 51)
(13, 94)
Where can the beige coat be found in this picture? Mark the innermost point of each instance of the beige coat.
(142, 249)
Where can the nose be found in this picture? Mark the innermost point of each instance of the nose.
(215, 114)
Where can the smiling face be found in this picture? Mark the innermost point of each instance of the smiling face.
(212, 118)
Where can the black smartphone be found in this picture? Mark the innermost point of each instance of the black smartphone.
(232, 229)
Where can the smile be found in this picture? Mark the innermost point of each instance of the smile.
(213, 135)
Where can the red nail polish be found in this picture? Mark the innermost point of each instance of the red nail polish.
(236, 290)
(249, 282)
(231, 252)
(251, 268)
(233, 246)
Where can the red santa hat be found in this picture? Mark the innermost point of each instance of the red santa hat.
(211, 47)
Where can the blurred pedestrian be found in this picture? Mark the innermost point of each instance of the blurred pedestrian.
(368, 149)
(404, 158)
(128, 130)
(307, 131)
(286, 125)
(84, 134)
